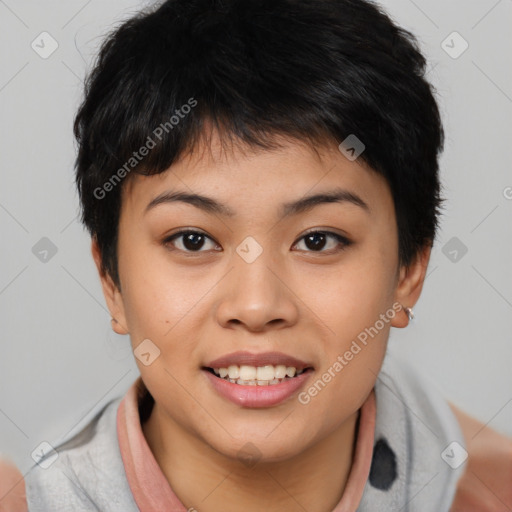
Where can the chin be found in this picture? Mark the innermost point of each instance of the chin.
(266, 445)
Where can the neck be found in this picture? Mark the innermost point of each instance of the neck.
(201, 478)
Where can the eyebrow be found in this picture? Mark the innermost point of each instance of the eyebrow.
(303, 204)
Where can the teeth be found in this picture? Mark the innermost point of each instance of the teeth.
(265, 372)
(290, 371)
(248, 372)
(280, 371)
(233, 371)
(267, 375)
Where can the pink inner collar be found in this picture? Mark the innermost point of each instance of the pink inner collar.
(152, 491)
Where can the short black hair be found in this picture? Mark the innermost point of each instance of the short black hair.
(315, 71)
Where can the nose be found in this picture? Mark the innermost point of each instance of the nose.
(257, 296)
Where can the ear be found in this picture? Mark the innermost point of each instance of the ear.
(111, 292)
(410, 284)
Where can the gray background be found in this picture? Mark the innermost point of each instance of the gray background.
(60, 359)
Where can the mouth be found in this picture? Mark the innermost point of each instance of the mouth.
(257, 380)
(266, 375)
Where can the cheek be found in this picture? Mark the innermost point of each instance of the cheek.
(169, 306)
(351, 297)
(341, 386)
(351, 362)
(355, 302)
(155, 294)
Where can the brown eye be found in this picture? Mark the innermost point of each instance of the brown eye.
(316, 241)
(189, 241)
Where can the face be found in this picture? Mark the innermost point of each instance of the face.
(257, 276)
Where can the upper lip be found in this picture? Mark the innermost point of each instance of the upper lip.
(263, 359)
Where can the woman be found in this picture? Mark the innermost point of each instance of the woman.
(260, 181)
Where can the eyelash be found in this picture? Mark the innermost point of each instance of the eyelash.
(345, 242)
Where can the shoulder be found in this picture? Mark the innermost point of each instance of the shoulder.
(402, 386)
(82, 471)
(486, 485)
(12, 488)
(418, 437)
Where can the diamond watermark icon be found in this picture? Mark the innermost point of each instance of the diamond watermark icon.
(44, 455)
(352, 147)
(44, 45)
(454, 250)
(454, 45)
(146, 352)
(454, 455)
(249, 249)
(248, 455)
(44, 250)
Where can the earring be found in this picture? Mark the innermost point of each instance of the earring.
(410, 313)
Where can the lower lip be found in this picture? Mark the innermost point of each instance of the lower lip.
(258, 396)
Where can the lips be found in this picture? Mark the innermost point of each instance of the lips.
(257, 396)
(244, 358)
(257, 393)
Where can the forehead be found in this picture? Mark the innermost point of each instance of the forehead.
(251, 178)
